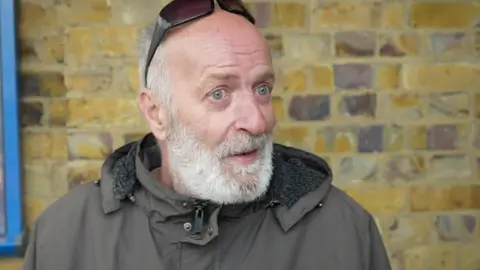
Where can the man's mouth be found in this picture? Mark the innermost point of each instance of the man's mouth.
(244, 158)
(246, 153)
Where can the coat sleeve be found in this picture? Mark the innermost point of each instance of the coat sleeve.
(376, 257)
(30, 258)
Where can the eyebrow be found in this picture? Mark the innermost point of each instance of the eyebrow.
(267, 74)
(219, 76)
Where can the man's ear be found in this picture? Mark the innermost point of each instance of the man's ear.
(154, 113)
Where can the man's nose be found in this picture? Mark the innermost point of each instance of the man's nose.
(250, 118)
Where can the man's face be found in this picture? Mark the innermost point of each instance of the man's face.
(219, 140)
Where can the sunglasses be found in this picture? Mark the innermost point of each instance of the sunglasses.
(179, 12)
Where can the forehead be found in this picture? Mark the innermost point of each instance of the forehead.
(198, 50)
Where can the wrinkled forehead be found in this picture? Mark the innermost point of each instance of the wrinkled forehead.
(193, 49)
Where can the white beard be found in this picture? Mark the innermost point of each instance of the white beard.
(203, 174)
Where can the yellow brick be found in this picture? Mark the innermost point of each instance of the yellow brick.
(410, 44)
(89, 44)
(379, 200)
(33, 113)
(303, 47)
(394, 138)
(321, 143)
(404, 231)
(288, 15)
(279, 108)
(131, 137)
(418, 137)
(444, 198)
(44, 84)
(43, 145)
(439, 15)
(133, 78)
(275, 44)
(388, 76)
(405, 100)
(58, 113)
(344, 143)
(89, 146)
(343, 15)
(322, 77)
(292, 136)
(295, 80)
(103, 111)
(393, 16)
(33, 208)
(75, 15)
(11, 264)
(469, 257)
(89, 3)
(476, 43)
(45, 179)
(441, 77)
(117, 41)
(80, 44)
(134, 12)
(405, 44)
(80, 172)
(35, 19)
(82, 85)
(53, 50)
(438, 257)
(49, 49)
(477, 105)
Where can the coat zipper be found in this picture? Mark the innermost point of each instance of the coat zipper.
(198, 220)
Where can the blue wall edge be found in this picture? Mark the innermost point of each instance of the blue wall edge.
(12, 243)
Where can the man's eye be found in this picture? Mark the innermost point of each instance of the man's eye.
(218, 94)
(263, 90)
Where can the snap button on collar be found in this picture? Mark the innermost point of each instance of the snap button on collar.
(187, 226)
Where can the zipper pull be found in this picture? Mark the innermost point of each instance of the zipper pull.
(272, 204)
(198, 221)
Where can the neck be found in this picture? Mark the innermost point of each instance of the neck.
(163, 174)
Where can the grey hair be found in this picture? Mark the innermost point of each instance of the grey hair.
(158, 80)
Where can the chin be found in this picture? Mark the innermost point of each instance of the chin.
(225, 183)
(241, 187)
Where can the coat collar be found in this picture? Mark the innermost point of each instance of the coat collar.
(300, 182)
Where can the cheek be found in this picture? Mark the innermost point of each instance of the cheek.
(270, 117)
(209, 128)
(213, 131)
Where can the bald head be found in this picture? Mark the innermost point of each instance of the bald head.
(220, 22)
(214, 40)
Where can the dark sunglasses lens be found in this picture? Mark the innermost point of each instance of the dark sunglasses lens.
(179, 11)
(232, 5)
(236, 6)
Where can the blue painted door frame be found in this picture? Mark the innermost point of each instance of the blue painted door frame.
(12, 240)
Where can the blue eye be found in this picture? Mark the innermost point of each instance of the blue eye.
(218, 94)
(263, 90)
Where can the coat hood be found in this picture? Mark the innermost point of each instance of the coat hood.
(300, 180)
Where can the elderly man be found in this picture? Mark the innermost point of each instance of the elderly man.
(207, 188)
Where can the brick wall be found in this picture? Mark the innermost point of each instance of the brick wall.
(388, 92)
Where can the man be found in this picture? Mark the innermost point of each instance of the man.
(207, 188)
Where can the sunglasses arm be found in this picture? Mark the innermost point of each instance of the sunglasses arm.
(158, 34)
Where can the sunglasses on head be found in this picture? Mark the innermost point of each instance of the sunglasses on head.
(179, 12)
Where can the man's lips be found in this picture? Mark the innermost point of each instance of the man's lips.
(244, 158)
